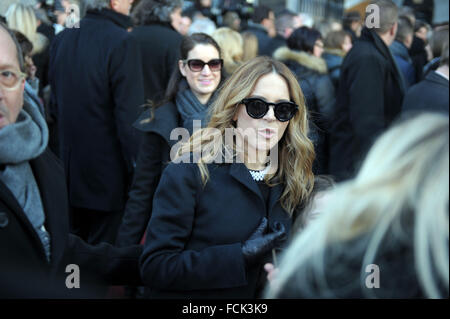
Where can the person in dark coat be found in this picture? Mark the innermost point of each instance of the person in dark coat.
(337, 45)
(370, 94)
(399, 49)
(285, 24)
(352, 23)
(430, 95)
(418, 51)
(262, 25)
(157, 40)
(383, 234)
(188, 99)
(97, 91)
(303, 56)
(216, 219)
(35, 244)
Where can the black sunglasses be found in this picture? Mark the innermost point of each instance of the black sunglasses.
(258, 108)
(196, 65)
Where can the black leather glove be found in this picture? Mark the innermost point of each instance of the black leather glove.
(258, 244)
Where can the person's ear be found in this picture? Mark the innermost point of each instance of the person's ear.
(181, 66)
(114, 4)
(393, 31)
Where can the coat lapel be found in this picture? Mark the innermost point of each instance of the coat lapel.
(45, 170)
(241, 174)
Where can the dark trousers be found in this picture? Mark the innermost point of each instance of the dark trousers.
(95, 226)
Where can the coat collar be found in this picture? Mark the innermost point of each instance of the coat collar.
(436, 78)
(307, 60)
(117, 18)
(371, 36)
(240, 172)
(165, 119)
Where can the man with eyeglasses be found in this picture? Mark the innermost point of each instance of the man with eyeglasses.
(35, 244)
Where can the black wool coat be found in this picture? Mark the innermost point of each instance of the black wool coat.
(154, 155)
(194, 237)
(430, 95)
(160, 50)
(97, 90)
(24, 270)
(370, 97)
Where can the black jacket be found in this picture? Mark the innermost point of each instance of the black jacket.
(263, 38)
(160, 50)
(97, 89)
(154, 155)
(311, 72)
(370, 97)
(430, 95)
(24, 270)
(194, 237)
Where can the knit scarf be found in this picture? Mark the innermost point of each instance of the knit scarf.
(21, 142)
(191, 109)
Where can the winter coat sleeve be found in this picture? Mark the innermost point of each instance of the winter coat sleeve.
(146, 177)
(126, 81)
(104, 262)
(166, 263)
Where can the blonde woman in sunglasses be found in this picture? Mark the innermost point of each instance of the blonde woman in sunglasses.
(221, 206)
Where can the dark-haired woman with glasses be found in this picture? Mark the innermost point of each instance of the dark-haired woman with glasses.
(225, 202)
(188, 97)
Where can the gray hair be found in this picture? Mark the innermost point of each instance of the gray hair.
(388, 15)
(95, 4)
(149, 11)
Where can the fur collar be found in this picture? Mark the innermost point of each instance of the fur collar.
(307, 60)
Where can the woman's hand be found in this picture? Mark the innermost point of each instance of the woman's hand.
(271, 272)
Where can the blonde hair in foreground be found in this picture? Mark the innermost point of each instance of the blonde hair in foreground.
(295, 150)
(405, 175)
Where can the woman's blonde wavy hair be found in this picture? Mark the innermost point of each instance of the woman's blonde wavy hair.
(295, 150)
(405, 177)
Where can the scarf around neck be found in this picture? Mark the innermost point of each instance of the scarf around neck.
(21, 142)
(191, 109)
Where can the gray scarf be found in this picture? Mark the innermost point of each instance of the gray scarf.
(191, 109)
(19, 143)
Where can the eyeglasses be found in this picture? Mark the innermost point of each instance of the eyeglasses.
(196, 65)
(258, 108)
(10, 80)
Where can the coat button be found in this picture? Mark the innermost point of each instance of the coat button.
(4, 220)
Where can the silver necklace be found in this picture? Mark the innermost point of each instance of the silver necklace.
(259, 175)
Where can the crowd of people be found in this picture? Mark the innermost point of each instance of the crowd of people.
(180, 150)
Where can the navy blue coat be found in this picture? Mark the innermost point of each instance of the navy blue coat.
(97, 90)
(194, 237)
(430, 95)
